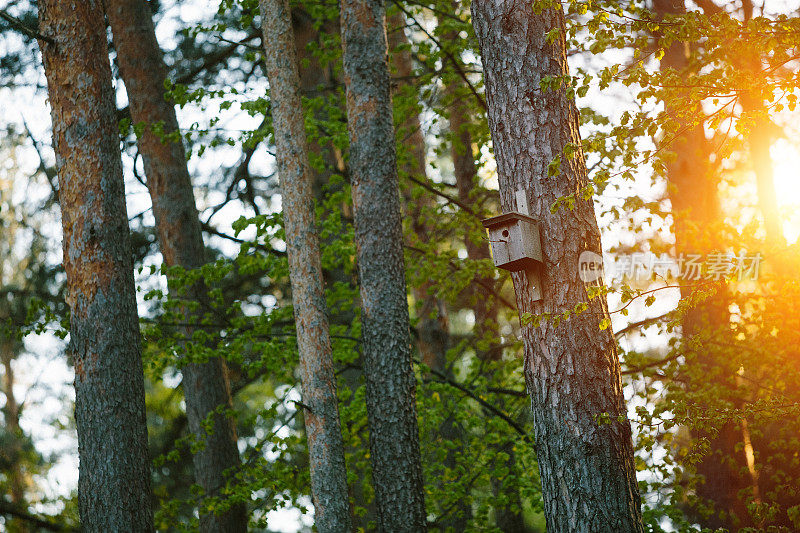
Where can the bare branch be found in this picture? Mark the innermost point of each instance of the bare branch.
(20, 26)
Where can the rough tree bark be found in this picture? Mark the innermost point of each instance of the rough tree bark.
(571, 368)
(317, 79)
(114, 480)
(325, 446)
(389, 376)
(205, 385)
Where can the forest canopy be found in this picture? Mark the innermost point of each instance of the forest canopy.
(500, 265)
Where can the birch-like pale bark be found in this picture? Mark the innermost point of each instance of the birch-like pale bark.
(318, 380)
(105, 347)
(205, 385)
(571, 368)
(389, 376)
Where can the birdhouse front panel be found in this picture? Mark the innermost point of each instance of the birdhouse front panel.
(514, 240)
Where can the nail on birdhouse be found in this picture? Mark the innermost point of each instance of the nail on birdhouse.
(515, 243)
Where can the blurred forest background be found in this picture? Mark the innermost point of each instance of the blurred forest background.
(690, 130)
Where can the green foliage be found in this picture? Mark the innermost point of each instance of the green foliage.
(684, 390)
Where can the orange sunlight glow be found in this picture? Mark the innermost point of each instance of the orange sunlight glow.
(786, 165)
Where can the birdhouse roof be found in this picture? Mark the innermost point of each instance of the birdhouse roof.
(505, 219)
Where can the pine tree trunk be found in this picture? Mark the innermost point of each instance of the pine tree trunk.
(466, 174)
(763, 133)
(325, 446)
(693, 193)
(483, 303)
(205, 385)
(390, 382)
(432, 331)
(433, 335)
(760, 141)
(114, 481)
(571, 368)
(13, 446)
(318, 79)
(315, 76)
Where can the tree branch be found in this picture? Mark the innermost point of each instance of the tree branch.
(447, 197)
(486, 405)
(639, 324)
(8, 509)
(17, 24)
(450, 56)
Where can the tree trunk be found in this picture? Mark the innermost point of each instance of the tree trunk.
(114, 481)
(317, 79)
(390, 382)
(432, 331)
(466, 174)
(433, 335)
(693, 193)
(571, 368)
(483, 303)
(205, 385)
(15, 475)
(325, 446)
(760, 140)
(313, 76)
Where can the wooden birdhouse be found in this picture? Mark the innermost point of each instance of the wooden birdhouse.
(514, 239)
(515, 244)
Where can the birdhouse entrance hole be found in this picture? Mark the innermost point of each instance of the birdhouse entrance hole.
(516, 247)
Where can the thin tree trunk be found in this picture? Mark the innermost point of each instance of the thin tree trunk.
(483, 305)
(571, 368)
(317, 79)
(313, 76)
(466, 174)
(390, 382)
(13, 450)
(694, 196)
(433, 335)
(325, 446)
(760, 140)
(205, 385)
(114, 481)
